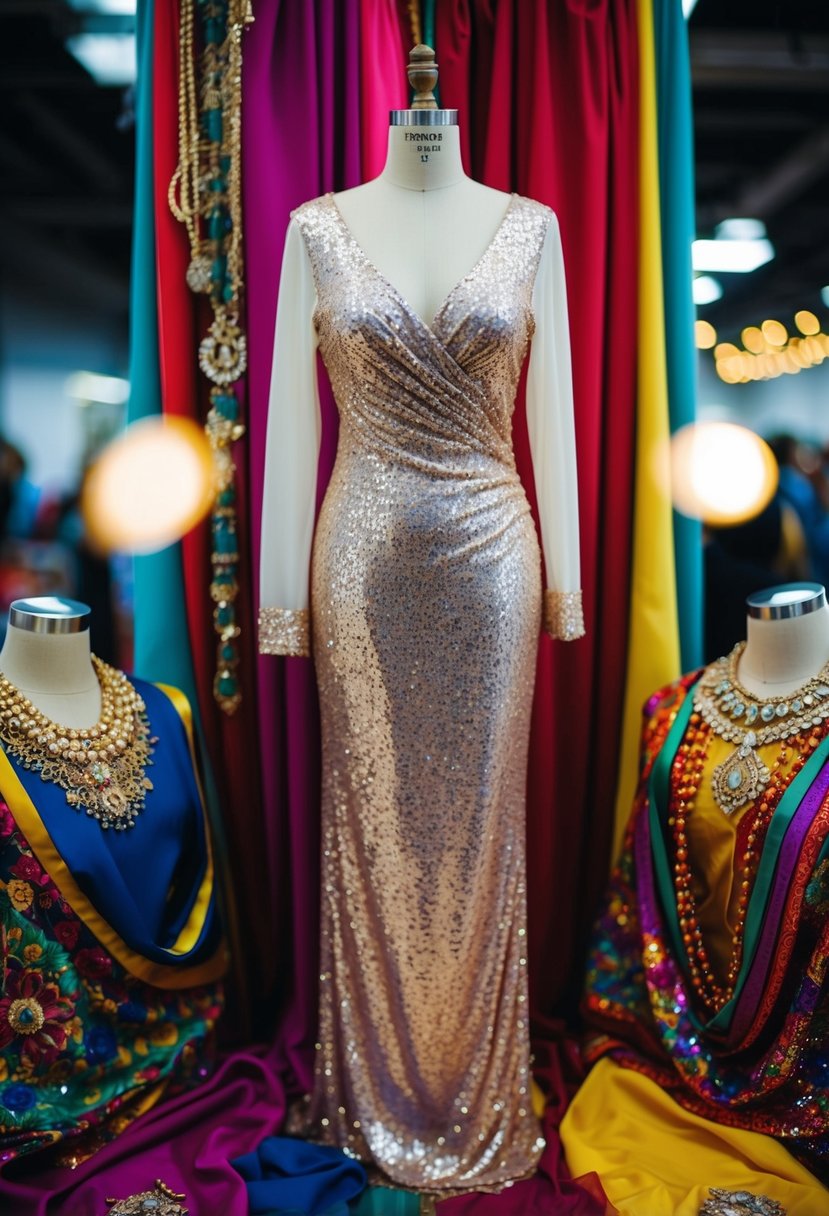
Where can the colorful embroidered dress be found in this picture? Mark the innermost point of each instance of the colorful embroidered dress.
(111, 950)
(707, 971)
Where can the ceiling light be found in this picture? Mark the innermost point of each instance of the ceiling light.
(109, 58)
(775, 333)
(740, 229)
(705, 335)
(105, 8)
(731, 257)
(706, 290)
(88, 386)
(807, 322)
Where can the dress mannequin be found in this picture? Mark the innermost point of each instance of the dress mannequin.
(46, 654)
(788, 638)
(423, 292)
(424, 225)
(728, 1084)
(110, 918)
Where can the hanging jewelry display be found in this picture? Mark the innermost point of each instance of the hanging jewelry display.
(205, 195)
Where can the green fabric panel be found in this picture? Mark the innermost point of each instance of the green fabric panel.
(659, 786)
(383, 1201)
(676, 193)
(427, 13)
(162, 645)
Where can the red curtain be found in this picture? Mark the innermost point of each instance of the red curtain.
(548, 102)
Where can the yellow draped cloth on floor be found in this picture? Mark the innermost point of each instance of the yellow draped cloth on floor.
(654, 1158)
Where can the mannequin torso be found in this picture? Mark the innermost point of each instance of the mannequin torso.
(54, 670)
(781, 655)
(423, 223)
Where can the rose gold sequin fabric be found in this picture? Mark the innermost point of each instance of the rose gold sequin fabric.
(284, 631)
(426, 604)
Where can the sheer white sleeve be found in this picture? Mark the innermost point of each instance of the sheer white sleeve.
(552, 434)
(292, 450)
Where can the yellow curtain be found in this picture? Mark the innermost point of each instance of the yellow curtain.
(653, 643)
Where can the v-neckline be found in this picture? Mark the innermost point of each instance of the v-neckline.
(430, 327)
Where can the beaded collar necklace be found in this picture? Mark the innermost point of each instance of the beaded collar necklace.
(102, 767)
(736, 715)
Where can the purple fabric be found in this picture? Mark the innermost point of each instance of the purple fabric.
(749, 999)
(301, 137)
(188, 1143)
(649, 918)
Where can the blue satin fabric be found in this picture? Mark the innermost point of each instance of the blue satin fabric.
(284, 1175)
(143, 881)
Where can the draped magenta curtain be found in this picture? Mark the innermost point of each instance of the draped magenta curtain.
(548, 100)
(309, 69)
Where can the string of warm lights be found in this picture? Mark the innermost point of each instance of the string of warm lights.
(768, 350)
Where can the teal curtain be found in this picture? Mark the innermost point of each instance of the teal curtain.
(428, 12)
(162, 646)
(676, 189)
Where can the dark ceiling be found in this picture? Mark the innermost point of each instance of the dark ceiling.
(760, 72)
(761, 104)
(67, 148)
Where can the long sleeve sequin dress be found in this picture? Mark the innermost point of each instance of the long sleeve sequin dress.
(426, 606)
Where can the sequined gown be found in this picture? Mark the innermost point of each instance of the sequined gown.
(426, 605)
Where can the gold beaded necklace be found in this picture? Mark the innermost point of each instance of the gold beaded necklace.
(101, 767)
(688, 770)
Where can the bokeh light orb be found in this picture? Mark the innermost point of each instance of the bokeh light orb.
(721, 473)
(705, 336)
(149, 486)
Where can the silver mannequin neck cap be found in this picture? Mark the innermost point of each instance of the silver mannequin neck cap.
(786, 601)
(50, 614)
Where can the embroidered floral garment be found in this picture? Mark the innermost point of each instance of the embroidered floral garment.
(86, 1042)
(759, 1058)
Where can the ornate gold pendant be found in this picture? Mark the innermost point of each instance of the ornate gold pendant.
(740, 1203)
(160, 1201)
(223, 354)
(741, 778)
(198, 273)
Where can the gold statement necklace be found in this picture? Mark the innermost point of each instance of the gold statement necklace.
(736, 715)
(101, 768)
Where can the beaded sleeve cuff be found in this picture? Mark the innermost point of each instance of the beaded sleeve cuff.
(284, 631)
(563, 616)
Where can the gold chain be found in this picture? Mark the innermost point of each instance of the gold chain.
(414, 20)
(101, 768)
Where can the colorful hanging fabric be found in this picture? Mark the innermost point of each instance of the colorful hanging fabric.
(162, 649)
(676, 214)
(653, 646)
(527, 133)
(385, 41)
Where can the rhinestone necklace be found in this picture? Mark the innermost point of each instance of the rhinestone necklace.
(736, 715)
(101, 768)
